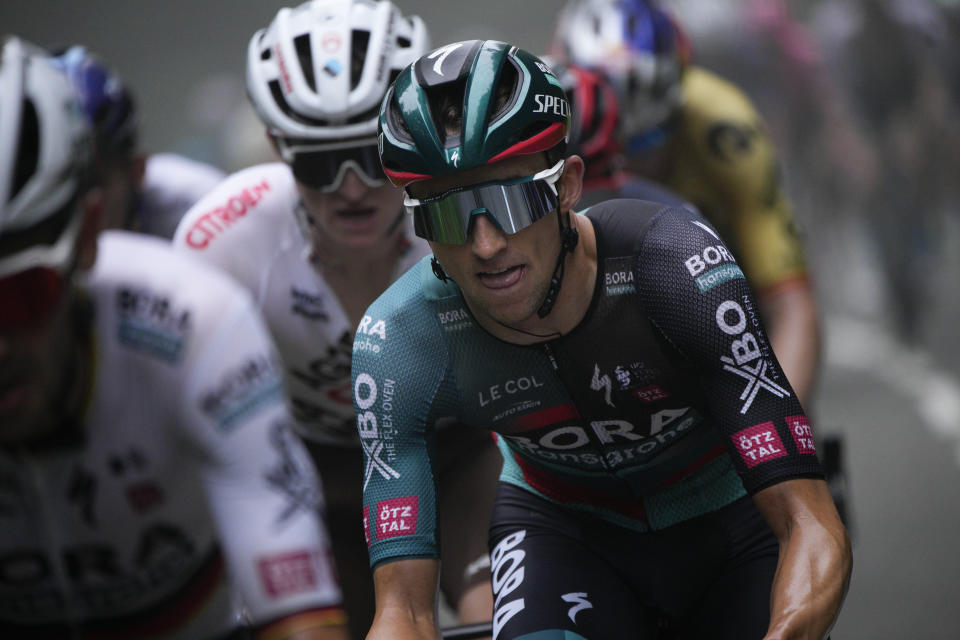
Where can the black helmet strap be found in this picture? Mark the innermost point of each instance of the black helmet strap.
(568, 242)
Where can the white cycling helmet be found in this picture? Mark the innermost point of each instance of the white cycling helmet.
(318, 73)
(44, 158)
(638, 46)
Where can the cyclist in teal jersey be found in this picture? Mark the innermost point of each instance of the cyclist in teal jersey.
(658, 466)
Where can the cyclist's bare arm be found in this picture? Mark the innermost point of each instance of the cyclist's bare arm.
(790, 311)
(813, 571)
(406, 598)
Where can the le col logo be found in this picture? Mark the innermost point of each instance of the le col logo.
(510, 387)
(746, 357)
(551, 104)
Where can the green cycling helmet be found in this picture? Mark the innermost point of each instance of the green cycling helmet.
(512, 104)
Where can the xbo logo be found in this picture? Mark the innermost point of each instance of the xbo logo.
(747, 361)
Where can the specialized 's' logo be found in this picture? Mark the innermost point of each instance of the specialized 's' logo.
(602, 383)
(441, 54)
(747, 359)
(579, 601)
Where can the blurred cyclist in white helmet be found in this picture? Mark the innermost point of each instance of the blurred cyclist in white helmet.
(316, 238)
(151, 483)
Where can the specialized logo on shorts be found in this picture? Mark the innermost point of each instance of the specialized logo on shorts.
(376, 437)
(219, 219)
(368, 333)
(579, 601)
(748, 359)
(242, 391)
(288, 573)
(506, 575)
(802, 435)
(293, 475)
(758, 444)
(397, 517)
(148, 322)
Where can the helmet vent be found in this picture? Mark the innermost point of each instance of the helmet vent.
(403, 43)
(359, 40)
(266, 53)
(28, 148)
(506, 92)
(302, 45)
(281, 102)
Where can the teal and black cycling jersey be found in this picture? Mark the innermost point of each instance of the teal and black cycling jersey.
(664, 403)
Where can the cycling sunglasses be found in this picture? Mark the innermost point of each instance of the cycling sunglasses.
(28, 298)
(325, 169)
(512, 205)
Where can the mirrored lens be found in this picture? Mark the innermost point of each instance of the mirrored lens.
(325, 169)
(512, 207)
(28, 298)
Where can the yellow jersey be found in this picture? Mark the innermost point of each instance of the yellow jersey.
(726, 165)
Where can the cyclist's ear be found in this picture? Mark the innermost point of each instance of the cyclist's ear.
(570, 185)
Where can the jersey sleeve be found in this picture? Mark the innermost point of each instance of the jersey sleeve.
(236, 227)
(260, 483)
(398, 377)
(695, 294)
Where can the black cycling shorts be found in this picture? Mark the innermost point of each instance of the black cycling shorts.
(580, 577)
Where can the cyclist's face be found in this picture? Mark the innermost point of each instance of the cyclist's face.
(355, 216)
(33, 363)
(504, 277)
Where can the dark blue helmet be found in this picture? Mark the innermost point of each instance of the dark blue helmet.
(104, 99)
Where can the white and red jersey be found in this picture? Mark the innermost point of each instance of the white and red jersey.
(188, 504)
(248, 226)
(171, 185)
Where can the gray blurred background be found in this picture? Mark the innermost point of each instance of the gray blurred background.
(861, 97)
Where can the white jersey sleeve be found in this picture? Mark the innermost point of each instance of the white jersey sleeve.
(171, 185)
(261, 486)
